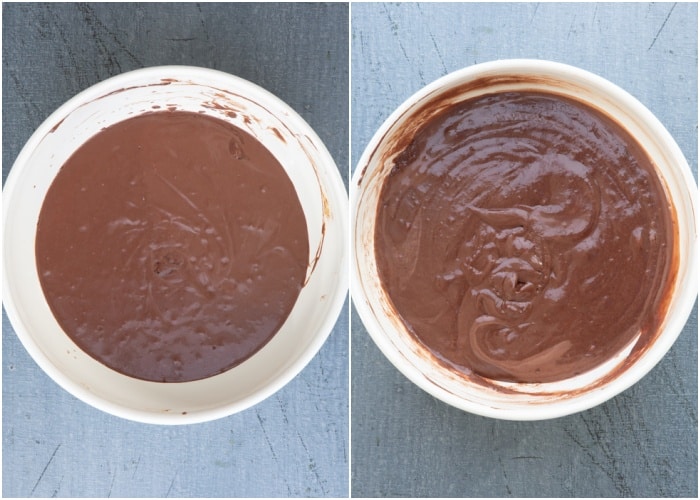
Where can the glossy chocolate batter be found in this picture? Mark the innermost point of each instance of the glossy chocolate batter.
(525, 237)
(171, 246)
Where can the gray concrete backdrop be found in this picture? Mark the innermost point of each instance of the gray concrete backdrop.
(404, 442)
(643, 442)
(296, 442)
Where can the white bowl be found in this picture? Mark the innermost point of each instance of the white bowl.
(516, 401)
(318, 185)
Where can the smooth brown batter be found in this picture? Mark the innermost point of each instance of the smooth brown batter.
(525, 237)
(171, 246)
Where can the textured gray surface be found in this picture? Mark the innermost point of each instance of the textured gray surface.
(296, 442)
(404, 442)
(641, 443)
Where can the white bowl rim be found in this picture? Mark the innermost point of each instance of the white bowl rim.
(336, 189)
(573, 404)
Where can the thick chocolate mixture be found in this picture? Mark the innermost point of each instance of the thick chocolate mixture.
(171, 246)
(525, 237)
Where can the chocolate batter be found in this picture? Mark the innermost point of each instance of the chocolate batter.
(525, 237)
(171, 246)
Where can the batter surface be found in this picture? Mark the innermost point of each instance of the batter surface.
(171, 246)
(524, 237)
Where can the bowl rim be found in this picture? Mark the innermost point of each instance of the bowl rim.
(334, 188)
(573, 404)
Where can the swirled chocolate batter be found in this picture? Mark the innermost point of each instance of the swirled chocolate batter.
(525, 237)
(171, 246)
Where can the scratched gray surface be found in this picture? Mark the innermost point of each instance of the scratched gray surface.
(641, 443)
(295, 443)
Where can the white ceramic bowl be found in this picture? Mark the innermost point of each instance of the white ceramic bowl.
(320, 190)
(518, 401)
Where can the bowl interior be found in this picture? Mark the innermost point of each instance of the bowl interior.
(500, 399)
(319, 188)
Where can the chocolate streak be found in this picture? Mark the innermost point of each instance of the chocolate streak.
(525, 237)
(171, 246)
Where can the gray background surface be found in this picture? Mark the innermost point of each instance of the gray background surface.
(404, 442)
(296, 442)
(641, 443)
